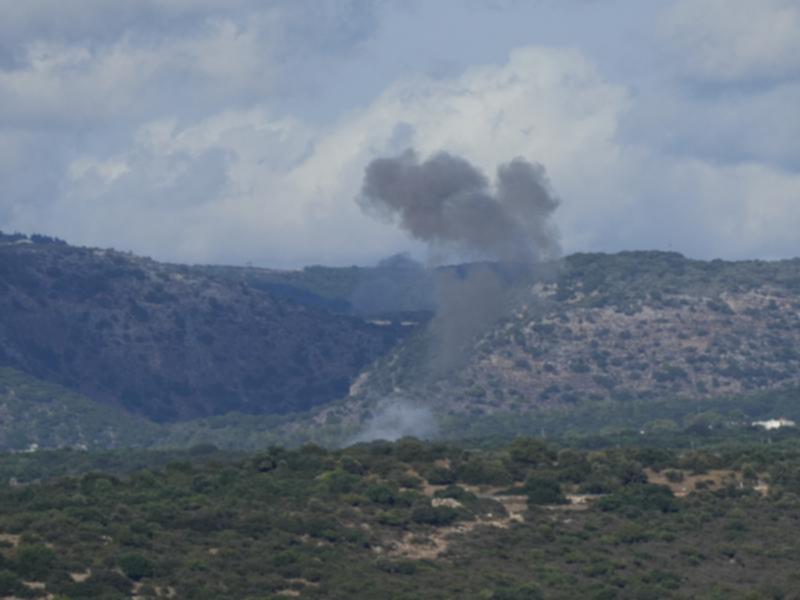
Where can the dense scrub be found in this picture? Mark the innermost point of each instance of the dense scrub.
(412, 519)
(625, 327)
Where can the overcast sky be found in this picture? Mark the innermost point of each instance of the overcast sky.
(237, 131)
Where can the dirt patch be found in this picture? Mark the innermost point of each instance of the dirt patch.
(81, 577)
(435, 543)
(294, 593)
(515, 507)
(450, 502)
(419, 547)
(576, 502)
(34, 585)
(10, 538)
(710, 481)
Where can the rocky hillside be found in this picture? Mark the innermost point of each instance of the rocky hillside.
(171, 342)
(631, 326)
(191, 344)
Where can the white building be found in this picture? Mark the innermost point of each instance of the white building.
(774, 423)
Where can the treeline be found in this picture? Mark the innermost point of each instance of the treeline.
(35, 238)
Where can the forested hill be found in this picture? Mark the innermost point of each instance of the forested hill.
(633, 326)
(178, 343)
(171, 342)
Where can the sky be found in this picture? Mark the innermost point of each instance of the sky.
(238, 131)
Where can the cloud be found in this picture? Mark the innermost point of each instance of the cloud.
(759, 125)
(734, 40)
(83, 85)
(183, 139)
(335, 24)
(85, 91)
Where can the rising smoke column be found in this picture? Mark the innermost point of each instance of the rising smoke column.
(449, 204)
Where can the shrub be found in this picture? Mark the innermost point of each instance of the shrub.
(381, 494)
(478, 471)
(434, 515)
(35, 562)
(531, 451)
(441, 476)
(638, 498)
(393, 518)
(10, 585)
(674, 476)
(543, 490)
(136, 566)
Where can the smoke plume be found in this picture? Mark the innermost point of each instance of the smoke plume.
(449, 204)
(396, 416)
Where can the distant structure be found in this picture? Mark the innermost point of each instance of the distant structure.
(774, 423)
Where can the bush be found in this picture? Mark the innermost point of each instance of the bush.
(441, 476)
(638, 498)
(674, 476)
(35, 562)
(136, 566)
(531, 451)
(10, 585)
(480, 471)
(381, 494)
(393, 518)
(543, 490)
(434, 515)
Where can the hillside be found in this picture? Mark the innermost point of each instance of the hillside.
(321, 353)
(397, 287)
(171, 342)
(635, 326)
(36, 414)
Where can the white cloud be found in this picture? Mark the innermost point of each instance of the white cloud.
(128, 80)
(171, 144)
(554, 107)
(754, 125)
(735, 40)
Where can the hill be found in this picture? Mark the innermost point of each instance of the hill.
(35, 414)
(245, 356)
(171, 342)
(635, 326)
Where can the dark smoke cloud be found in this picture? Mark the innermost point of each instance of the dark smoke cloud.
(448, 203)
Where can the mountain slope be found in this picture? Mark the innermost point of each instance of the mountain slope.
(35, 414)
(171, 342)
(631, 326)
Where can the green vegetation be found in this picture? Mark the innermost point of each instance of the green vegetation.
(48, 416)
(37, 414)
(170, 342)
(532, 519)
